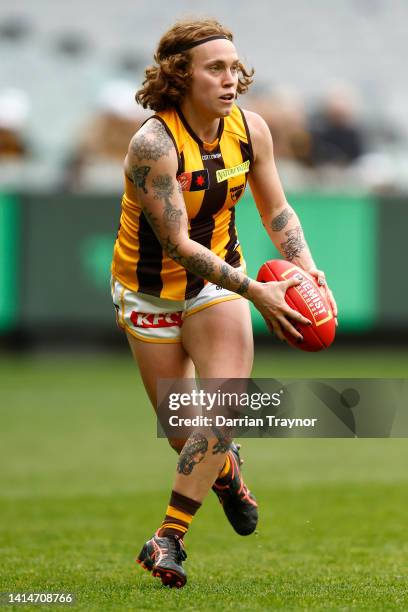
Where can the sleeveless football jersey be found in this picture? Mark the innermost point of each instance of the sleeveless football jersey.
(212, 177)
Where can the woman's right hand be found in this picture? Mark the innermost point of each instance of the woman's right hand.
(269, 299)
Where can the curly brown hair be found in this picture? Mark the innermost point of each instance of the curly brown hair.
(167, 82)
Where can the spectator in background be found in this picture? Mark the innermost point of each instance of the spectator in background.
(285, 115)
(14, 111)
(104, 140)
(336, 131)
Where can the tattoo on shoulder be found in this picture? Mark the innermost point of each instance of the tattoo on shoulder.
(294, 245)
(152, 142)
(193, 453)
(139, 174)
(281, 220)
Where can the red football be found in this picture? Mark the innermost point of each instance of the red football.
(307, 299)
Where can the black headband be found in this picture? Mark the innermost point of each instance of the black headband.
(195, 43)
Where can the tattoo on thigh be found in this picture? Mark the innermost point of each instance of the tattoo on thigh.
(223, 443)
(193, 453)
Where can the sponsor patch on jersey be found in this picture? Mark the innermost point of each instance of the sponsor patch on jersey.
(211, 156)
(148, 319)
(198, 180)
(226, 173)
(236, 192)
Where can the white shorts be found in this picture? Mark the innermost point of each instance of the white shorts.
(154, 319)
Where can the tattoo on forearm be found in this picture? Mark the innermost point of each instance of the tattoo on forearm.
(193, 453)
(294, 245)
(200, 264)
(139, 174)
(172, 251)
(243, 288)
(232, 278)
(152, 143)
(281, 220)
(163, 190)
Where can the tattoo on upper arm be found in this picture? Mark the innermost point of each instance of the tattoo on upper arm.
(281, 220)
(139, 174)
(193, 453)
(151, 143)
(163, 190)
(153, 222)
(294, 245)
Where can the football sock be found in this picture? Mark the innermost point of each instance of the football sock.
(179, 515)
(225, 475)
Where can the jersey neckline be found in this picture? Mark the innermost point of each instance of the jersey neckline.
(202, 143)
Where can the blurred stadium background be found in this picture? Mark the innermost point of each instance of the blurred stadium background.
(331, 82)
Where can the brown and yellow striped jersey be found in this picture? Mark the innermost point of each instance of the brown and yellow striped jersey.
(213, 177)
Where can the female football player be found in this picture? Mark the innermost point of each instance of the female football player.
(179, 283)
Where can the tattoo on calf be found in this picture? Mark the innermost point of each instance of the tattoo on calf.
(223, 443)
(139, 174)
(281, 220)
(193, 453)
(152, 143)
(294, 245)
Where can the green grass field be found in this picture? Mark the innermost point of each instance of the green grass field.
(84, 482)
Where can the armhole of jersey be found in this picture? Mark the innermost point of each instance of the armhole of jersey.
(169, 132)
(251, 152)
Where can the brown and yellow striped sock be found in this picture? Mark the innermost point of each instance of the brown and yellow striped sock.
(225, 474)
(179, 515)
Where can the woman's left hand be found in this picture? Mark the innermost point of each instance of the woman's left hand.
(321, 281)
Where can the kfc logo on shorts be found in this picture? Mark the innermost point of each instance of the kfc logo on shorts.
(163, 319)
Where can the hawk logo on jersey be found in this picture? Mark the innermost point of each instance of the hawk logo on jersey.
(236, 192)
(148, 319)
(198, 180)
